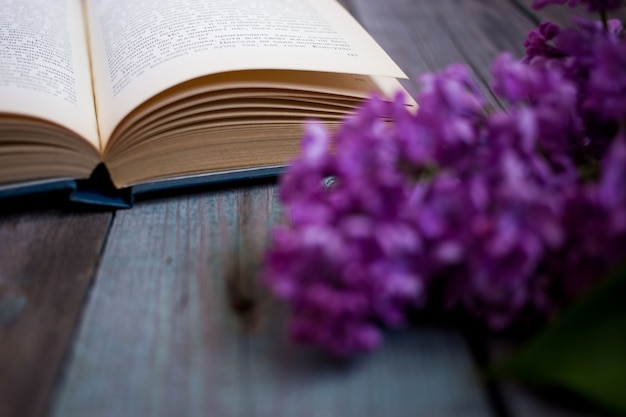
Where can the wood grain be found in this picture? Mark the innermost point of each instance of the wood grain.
(416, 42)
(562, 15)
(161, 336)
(47, 261)
(425, 36)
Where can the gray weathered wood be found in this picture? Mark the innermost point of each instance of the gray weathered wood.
(165, 332)
(412, 38)
(47, 261)
(159, 336)
(424, 36)
(562, 15)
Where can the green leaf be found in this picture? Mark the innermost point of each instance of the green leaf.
(584, 351)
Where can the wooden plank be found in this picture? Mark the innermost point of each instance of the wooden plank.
(482, 29)
(47, 261)
(425, 370)
(177, 325)
(425, 36)
(416, 42)
(159, 336)
(562, 15)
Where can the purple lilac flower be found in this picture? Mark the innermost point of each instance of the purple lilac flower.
(489, 210)
(493, 210)
(606, 88)
(446, 127)
(594, 60)
(501, 220)
(572, 49)
(363, 252)
(544, 107)
(505, 239)
(348, 261)
(595, 219)
(538, 42)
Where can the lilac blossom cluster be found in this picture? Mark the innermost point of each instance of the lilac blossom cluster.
(592, 57)
(503, 215)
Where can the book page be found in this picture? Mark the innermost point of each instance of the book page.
(142, 47)
(44, 64)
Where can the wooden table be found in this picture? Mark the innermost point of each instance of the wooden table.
(155, 311)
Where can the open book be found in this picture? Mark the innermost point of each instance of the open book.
(159, 91)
